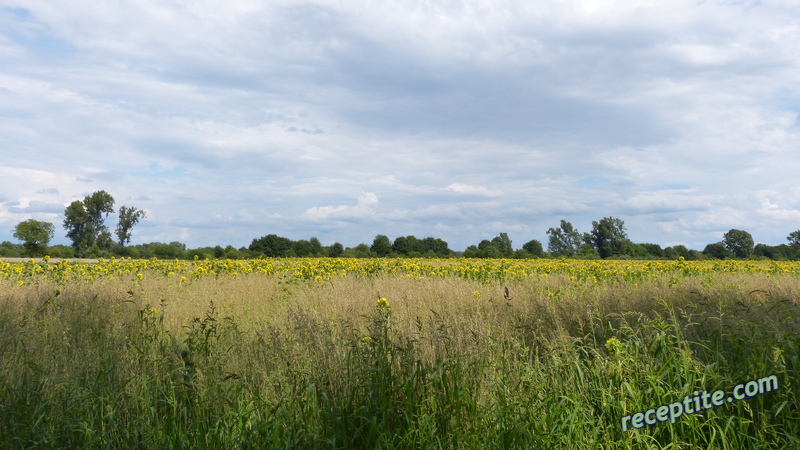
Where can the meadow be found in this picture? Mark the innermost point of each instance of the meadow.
(395, 353)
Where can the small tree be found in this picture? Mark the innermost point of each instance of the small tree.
(794, 238)
(35, 234)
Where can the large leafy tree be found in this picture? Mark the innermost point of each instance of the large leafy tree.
(435, 246)
(717, 250)
(739, 242)
(172, 250)
(471, 252)
(85, 221)
(271, 245)
(128, 217)
(302, 248)
(336, 250)
(35, 234)
(794, 237)
(608, 237)
(564, 240)
(359, 251)
(503, 244)
(534, 248)
(98, 206)
(401, 246)
(381, 246)
(676, 252)
(316, 246)
(652, 249)
(76, 222)
(408, 246)
(486, 249)
(778, 252)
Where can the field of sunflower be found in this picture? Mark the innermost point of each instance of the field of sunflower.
(321, 269)
(395, 353)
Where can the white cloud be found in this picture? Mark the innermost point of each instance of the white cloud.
(367, 203)
(778, 207)
(668, 201)
(462, 188)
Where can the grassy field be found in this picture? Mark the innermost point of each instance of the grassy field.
(334, 353)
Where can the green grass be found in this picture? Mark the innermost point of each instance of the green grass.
(259, 363)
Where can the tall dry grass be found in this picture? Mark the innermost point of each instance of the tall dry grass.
(272, 362)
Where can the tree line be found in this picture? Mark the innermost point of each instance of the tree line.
(608, 239)
(84, 222)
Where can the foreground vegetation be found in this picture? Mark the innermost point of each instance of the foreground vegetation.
(380, 353)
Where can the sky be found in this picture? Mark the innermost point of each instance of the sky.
(342, 120)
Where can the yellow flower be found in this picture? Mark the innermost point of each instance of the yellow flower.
(476, 294)
(139, 275)
(183, 279)
(612, 344)
(383, 303)
(366, 339)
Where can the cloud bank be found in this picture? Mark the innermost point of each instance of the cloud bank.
(458, 120)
